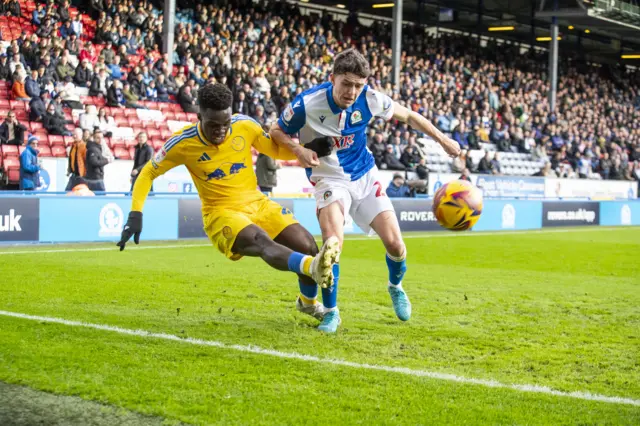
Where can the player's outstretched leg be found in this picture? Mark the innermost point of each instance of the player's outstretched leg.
(254, 241)
(331, 220)
(386, 226)
(297, 238)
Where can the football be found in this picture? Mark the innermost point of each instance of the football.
(457, 205)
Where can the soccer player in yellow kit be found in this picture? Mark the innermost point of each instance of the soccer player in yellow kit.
(239, 219)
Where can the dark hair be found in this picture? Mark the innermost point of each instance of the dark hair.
(351, 61)
(217, 97)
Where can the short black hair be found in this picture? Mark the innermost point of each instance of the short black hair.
(351, 61)
(217, 97)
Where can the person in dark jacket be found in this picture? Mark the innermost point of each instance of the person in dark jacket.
(266, 172)
(390, 161)
(143, 154)
(397, 188)
(38, 107)
(11, 131)
(95, 163)
(115, 97)
(53, 123)
(29, 167)
(31, 85)
(83, 75)
(186, 100)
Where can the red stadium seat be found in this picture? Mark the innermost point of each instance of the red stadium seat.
(14, 176)
(11, 163)
(165, 133)
(116, 142)
(134, 122)
(58, 151)
(192, 117)
(153, 105)
(45, 151)
(149, 124)
(122, 153)
(157, 144)
(34, 125)
(181, 116)
(17, 105)
(56, 140)
(68, 140)
(130, 143)
(117, 112)
(137, 130)
(121, 121)
(9, 151)
(169, 115)
(130, 112)
(175, 108)
(154, 133)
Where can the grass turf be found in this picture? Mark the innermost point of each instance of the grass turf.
(553, 309)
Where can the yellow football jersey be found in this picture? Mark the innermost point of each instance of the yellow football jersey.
(223, 174)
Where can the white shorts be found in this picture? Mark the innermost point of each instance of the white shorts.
(362, 199)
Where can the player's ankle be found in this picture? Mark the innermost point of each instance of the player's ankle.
(307, 301)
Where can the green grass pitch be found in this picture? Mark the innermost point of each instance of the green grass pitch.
(554, 309)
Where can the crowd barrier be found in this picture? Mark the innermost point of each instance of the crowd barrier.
(59, 218)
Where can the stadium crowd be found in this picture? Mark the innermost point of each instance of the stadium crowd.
(268, 54)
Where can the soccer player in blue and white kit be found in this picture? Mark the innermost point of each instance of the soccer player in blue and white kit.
(338, 112)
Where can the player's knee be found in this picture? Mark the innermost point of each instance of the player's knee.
(308, 245)
(396, 248)
(262, 240)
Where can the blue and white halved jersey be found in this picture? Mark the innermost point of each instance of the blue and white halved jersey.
(314, 113)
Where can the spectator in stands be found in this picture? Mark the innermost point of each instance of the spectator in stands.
(88, 53)
(409, 158)
(29, 166)
(68, 96)
(38, 107)
(77, 156)
(77, 26)
(138, 87)
(18, 90)
(390, 162)
(266, 172)
(142, 155)
(115, 97)
(106, 123)
(12, 131)
(64, 69)
(114, 68)
(496, 168)
(95, 162)
(186, 100)
(421, 170)
(5, 71)
(31, 86)
(89, 118)
(397, 188)
(38, 15)
(131, 98)
(100, 84)
(83, 75)
(161, 89)
(53, 123)
(240, 106)
(11, 8)
(66, 30)
(485, 166)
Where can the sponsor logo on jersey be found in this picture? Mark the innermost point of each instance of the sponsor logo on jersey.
(226, 171)
(356, 117)
(343, 141)
(288, 114)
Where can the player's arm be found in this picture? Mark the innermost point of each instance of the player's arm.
(420, 123)
(290, 122)
(265, 144)
(163, 161)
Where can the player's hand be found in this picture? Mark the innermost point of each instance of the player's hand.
(451, 147)
(133, 227)
(321, 146)
(306, 157)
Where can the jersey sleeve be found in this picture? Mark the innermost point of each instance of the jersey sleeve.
(293, 117)
(379, 104)
(264, 144)
(164, 160)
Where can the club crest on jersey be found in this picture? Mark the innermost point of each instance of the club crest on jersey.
(227, 232)
(356, 117)
(343, 141)
(238, 143)
(226, 171)
(327, 195)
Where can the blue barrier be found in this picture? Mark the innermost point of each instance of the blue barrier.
(169, 216)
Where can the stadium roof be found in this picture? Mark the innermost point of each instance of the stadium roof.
(603, 30)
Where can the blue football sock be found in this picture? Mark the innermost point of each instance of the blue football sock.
(310, 291)
(397, 267)
(299, 263)
(330, 295)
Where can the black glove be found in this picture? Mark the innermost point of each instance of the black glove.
(132, 227)
(321, 146)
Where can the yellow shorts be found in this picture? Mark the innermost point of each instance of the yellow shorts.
(223, 226)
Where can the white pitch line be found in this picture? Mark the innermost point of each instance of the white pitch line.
(310, 358)
(347, 238)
